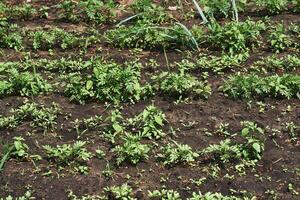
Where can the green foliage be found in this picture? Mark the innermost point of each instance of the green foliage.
(225, 151)
(109, 82)
(273, 6)
(249, 86)
(16, 150)
(164, 194)
(66, 154)
(149, 12)
(10, 36)
(212, 196)
(219, 64)
(93, 11)
(235, 37)
(296, 4)
(180, 85)
(26, 196)
(123, 192)
(40, 116)
(56, 37)
(220, 8)
(250, 149)
(150, 121)
(131, 150)
(78, 88)
(17, 12)
(24, 84)
(279, 38)
(146, 35)
(175, 153)
(275, 64)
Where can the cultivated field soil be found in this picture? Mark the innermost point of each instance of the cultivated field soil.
(93, 107)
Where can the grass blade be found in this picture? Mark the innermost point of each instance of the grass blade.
(189, 33)
(200, 12)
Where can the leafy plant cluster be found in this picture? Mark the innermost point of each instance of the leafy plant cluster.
(55, 65)
(251, 149)
(174, 153)
(147, 11)
(147, 124)
(165, 194)
(23, 83)
(10, 36)
(180, 85)
(283, 37)
(40, 116)
(109, 82)
(273, 6)
(221, 8)
(18, 149)
(47, 39)
(24, 11)
(69, 154)
(132, 150)
(277, 64)
(219, 64)
(90, 11)
(248, 86)
(147, 35)
(235, 37)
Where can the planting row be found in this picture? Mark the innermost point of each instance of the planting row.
(232, 37)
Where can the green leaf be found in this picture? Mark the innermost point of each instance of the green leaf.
(256, 146)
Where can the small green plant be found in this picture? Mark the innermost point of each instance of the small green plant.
(150, 121)
(16, 150)
(225, 151)
(221, 8)
(132, 150)
(174, 153)
(109, 82)
(24, 84)
(10, 36)
(279, 39)
(164, 194)
(26, 196)
(274, 64)
(180, 85)
(212, 196)
(249, 86)
(66, 154)
(39, 116)
(273, 6)
(123, 192)
(235, 37)
(147, 35)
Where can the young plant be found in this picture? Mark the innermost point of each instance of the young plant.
(180, 85)
(132, 150)
(16, 150)
(273, 6)
(174, 153)
(249, 86)
(123, 192)
(279, 38)
(164, 194)
(150, 121)
(235, 37)
(66, 154)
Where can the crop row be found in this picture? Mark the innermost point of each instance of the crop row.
(99, 12)
(232, 37)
